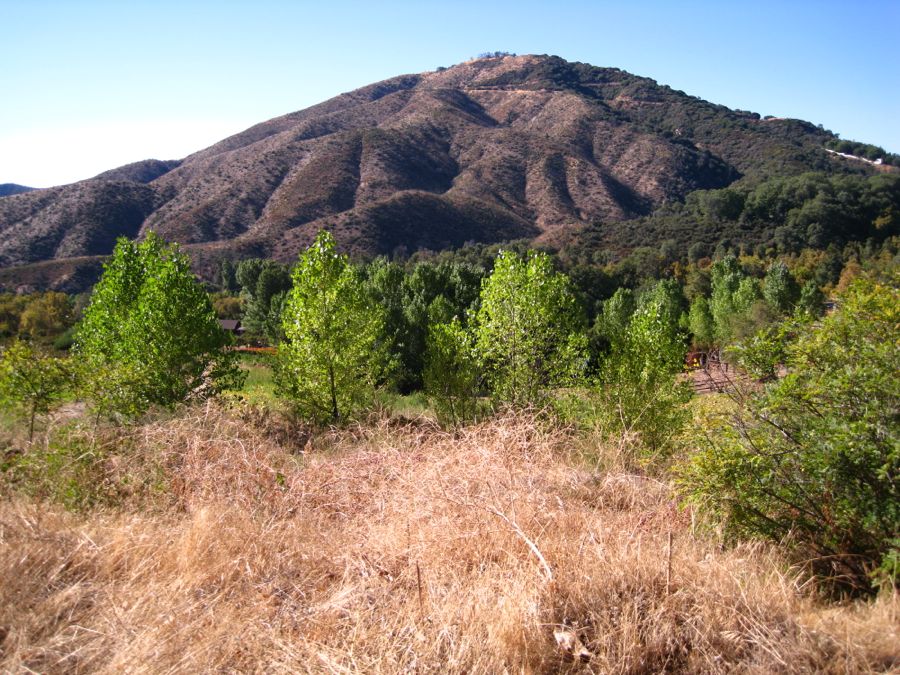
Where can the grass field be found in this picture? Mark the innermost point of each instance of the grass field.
(237, 542)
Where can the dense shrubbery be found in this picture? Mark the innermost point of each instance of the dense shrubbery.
(864, 150)
(782, 214)
(814, 458)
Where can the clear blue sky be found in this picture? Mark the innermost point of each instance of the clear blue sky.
(87, 86)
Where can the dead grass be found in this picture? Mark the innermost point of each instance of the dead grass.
(389, 548)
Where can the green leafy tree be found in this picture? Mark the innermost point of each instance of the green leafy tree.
(814, 458)
(452, 375)
(641, 397)
(264, 284)
(149, 335)
(32, 380)
(615, 315)
(780, 289)
(701, 324)
(812, 300)
(334, 352)
(725, 279)
(407, 298)
(529, 329)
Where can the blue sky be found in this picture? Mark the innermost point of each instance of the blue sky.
(87, 86)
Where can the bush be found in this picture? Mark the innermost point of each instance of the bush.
(813, 459)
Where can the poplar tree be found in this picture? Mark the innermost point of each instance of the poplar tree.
(334, 352)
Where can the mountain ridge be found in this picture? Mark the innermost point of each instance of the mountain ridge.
(492, 149)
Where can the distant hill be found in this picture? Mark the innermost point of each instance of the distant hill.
(7, 189)
(488, 150)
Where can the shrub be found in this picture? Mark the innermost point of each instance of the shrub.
(813, 459)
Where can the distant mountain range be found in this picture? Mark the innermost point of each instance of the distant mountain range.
(7, 189)
(492, 149)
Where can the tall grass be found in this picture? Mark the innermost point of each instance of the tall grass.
(400, 548)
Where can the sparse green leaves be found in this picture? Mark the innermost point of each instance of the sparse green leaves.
(32, 380)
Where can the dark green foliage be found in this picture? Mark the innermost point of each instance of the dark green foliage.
(227, 277)
(865, 150)
(814, 459)
(149, 335)
(785, 213)
(264, 284)
(408, 299)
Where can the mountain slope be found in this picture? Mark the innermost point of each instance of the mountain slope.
(487, 150)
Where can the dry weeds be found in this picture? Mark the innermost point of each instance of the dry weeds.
(388, 548)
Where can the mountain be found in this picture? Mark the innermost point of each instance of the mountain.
(492, 149)
(7, 189)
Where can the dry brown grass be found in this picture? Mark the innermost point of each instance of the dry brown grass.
(403, 548)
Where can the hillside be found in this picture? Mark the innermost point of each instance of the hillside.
(489, 150)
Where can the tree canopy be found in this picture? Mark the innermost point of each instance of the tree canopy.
(149, 335)
(333, 354)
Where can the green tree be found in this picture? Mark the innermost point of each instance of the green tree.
(780, 289)
(32, 380)
(725, 279)
(812, 301)
(641, 397)
(149, 335)
(334, 352)
(529, 329)
(264, 284)
(814, 458)
(615, 315)
(701, 324)
(451, 373)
